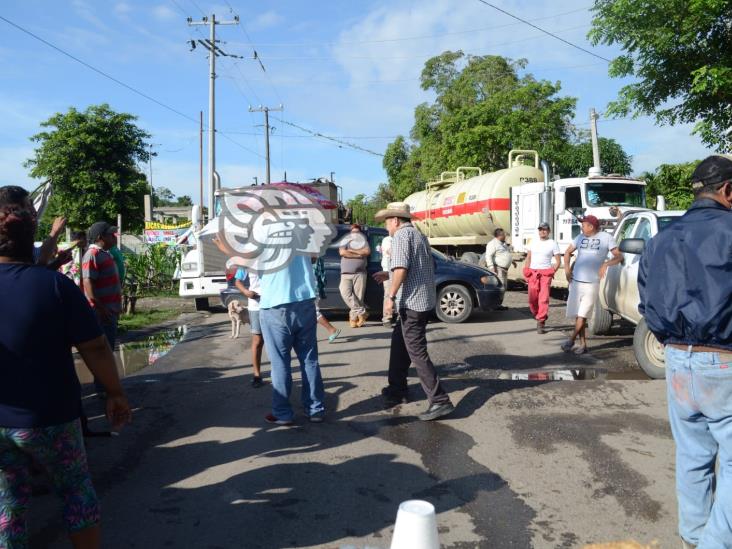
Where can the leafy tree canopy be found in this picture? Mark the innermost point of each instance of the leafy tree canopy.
(576, 158)
(91, 159)
(163, 196)
(482, 109)
(673, 181)
(680, 52)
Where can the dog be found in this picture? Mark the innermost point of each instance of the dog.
(238, 315)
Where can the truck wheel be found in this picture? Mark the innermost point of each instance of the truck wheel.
(600, 321)
(648, 351)
(454, 303)
(202, 304)
(470, 257)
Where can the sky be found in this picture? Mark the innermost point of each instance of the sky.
(340, 68)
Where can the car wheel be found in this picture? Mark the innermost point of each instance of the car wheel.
(470, 257)
(202, 304)
(454, 303)
(648, 351)
(600, 321)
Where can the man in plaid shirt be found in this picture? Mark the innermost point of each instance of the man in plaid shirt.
(413, 291)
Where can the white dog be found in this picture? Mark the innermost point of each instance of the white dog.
(237, 314)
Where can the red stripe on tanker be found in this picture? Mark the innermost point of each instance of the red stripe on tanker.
(479, 206)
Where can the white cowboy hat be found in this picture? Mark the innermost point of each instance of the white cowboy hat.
(394, 209)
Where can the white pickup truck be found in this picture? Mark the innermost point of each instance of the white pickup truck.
(619, 289)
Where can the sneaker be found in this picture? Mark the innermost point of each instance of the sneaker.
(317, 417)
(257, 382)
(387, 324)
(567, 345)
(436, 411)
(540, 328)
(393, 398)
(579, 350)
(362, 319)
(353, 323)
(332, 337)
(269, 418)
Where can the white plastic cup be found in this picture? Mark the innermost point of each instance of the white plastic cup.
(416, 526)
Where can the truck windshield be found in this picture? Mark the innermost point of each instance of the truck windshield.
(616, 194)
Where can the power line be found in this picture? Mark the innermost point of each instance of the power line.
(544, 31)
(340, 142)
(119, 82)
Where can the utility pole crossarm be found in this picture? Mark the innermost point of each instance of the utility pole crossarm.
(266, 111)
(213, 53)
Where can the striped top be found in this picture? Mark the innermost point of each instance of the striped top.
(99, 267)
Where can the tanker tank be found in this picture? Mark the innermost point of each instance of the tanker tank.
(465, 210)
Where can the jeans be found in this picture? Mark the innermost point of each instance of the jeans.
(699, 387)
(284, 328)
(409, 346)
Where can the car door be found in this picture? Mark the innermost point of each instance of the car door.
(611, 284)
(374, 291)
(628, 294)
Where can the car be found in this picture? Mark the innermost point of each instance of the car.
(619, 287)
(462, 288)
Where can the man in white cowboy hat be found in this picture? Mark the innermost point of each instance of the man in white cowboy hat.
(413, 295)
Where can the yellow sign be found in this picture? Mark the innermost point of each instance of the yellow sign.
(154, 225)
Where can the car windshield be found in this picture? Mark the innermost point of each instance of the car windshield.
(616, 194)
(666, 220)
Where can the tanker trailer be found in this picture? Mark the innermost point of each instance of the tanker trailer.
(458, 214)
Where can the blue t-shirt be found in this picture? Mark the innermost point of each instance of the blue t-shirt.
(292, 284)
(42, 314)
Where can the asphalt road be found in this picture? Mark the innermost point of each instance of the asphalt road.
(524, 461)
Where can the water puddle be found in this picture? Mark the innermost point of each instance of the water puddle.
(137, 355)
(466, 371)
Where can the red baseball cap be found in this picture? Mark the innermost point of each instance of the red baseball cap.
(592, 220)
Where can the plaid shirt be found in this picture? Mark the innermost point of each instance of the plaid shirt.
(410, 250)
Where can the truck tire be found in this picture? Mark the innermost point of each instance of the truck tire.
(470, 257)
(600, 321)
(454, 303)
(202, 304)
(648, 351)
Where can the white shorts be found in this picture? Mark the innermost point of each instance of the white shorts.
(581, 300)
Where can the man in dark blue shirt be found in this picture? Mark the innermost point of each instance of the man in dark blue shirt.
(685, 284)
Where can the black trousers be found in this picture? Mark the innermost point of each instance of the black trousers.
(409, 346)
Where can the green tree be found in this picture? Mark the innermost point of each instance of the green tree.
(673, 181)
(482, 109)
(576, 159)
(363, 209)
(163, 196)
(680, 53)
(184, 200)
(91, 159)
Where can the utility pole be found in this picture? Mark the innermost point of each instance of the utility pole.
(200, 160)
(266, 111)
(214, 52)
(596, 169)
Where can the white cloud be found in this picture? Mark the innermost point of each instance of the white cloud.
(164, 13)
(122, 10)
(265, 20)
(86, 12)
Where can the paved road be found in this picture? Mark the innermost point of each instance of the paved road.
(522, 462)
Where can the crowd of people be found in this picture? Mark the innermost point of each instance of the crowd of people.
(688, 307)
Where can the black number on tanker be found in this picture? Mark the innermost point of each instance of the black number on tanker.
(590, 244)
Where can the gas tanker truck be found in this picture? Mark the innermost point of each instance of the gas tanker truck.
(459, 211)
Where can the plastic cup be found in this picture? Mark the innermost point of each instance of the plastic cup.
(416, 526)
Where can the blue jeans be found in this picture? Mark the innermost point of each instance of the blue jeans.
(284, 328)
(699, 387)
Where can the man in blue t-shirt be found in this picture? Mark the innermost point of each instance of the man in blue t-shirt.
(592, 247)
(287, 316)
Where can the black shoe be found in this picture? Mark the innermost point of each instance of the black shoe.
(501, 308)
(393, 398)
(257, 382)
(437, 410)
(540, 328)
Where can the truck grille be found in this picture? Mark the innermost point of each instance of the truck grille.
(214, 261)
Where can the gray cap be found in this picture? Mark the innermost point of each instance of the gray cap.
(544, 225)
(99, 229)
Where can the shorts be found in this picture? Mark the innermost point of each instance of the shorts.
(59, 450)
(254, 325)
(582, 297)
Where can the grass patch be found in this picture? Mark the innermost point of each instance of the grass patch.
(143, 319)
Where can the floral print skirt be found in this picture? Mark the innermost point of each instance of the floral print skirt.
(59, 451)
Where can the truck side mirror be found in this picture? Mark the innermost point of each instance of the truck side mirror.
(632, 245)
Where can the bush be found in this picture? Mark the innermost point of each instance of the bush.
(150, 272)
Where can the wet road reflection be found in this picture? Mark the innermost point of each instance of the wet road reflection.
(138, 355)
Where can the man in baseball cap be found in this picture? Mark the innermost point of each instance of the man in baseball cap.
(685, 287)
(592, 220)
